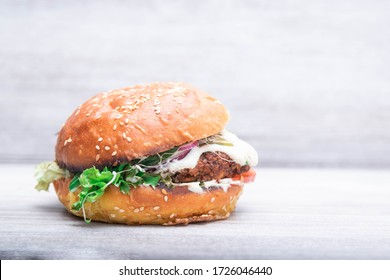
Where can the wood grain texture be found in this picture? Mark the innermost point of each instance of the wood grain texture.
(286, 214)
(307, 82)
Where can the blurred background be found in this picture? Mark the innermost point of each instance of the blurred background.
(307, 82)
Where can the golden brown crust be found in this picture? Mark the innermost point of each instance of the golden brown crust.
(145, 205)
(137, 121)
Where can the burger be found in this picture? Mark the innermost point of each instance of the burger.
(149, 154)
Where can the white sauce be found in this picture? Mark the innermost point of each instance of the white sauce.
(222, 183)
(241, 153)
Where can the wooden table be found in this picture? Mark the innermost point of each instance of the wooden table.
(286, 214)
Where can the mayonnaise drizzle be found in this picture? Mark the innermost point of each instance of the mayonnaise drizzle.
(222, 183)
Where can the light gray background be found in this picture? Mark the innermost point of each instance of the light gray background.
(307, 82)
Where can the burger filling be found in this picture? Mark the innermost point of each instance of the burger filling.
(216, 161)
(210, 166)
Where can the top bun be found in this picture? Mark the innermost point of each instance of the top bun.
(125, 124)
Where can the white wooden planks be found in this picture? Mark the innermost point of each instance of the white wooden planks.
(286, 214)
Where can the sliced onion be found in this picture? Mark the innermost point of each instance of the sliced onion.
(185, 149)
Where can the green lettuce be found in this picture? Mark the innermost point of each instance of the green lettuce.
(93, 182)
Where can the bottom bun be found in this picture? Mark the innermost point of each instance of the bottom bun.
(145, 205)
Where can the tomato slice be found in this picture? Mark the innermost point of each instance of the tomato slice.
(247, 177)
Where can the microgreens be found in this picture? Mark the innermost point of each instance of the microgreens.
(94, 182)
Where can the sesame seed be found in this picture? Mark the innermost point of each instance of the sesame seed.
(156, 208)
(141, 208)
(114, 128)
(69, 140)
(97, 147)
(136, 210)
(166, 198)
(97, 157)
(212, 199)
(128, 139)
(116, 208)
(107, 148)
(98, 116)
(100, 139)
(126, 121)
(158, 216)
(121, 210)
(113, 153)
(121, 123)
(113, 215)
(172, 215)
(66, 142)
(164, 191)
(124, 135)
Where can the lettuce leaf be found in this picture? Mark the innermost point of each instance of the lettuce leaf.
(46, 173)
(92, 182)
